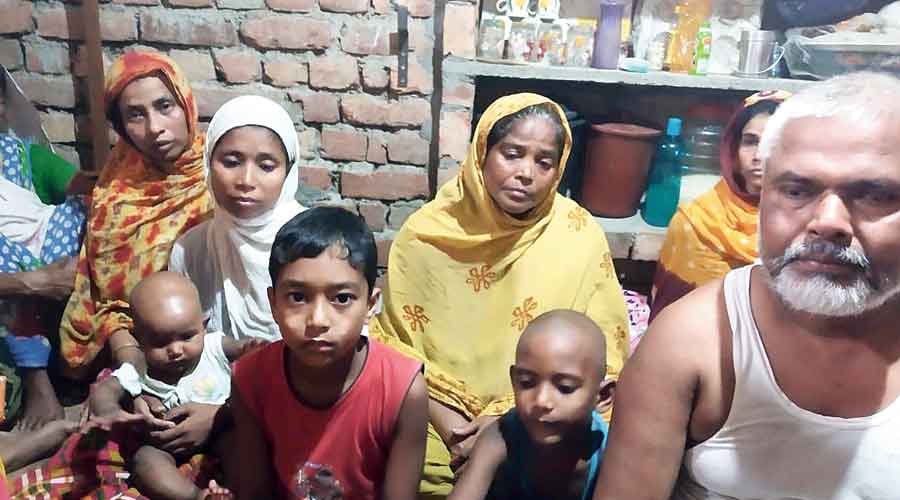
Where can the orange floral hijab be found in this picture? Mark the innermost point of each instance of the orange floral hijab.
(137, 212)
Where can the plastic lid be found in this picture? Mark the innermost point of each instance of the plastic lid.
(674, 126)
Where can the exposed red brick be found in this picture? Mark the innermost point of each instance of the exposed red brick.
(421, 38)
(455, 132)
(366, 37)
(309, 143)
(459, 93)
(382, 6)
(377, 152)
(318, 107)
(420, 8)
(386, 183)
(316, 176)
(192, 4)
(287, 32)
(210, 97)
(344, 144)
(460, 29)
(60, 127)
(375, 214)
(400, 212)
(417, 8)
(55, 91)
(334, 72)
(240, 4)
(419, 79)
(197, 65)
(285, 71)
(197, 29)
(237, 66)
(47, 57)
(447, 174)
(383, 244)
(407, 147)
(364, 109)
(11, 54)
(16, 17)
(375, 75)
(348, 6)
(72, 156)
(79, 63)
(291, 5)
(66, 23)
(409, 113)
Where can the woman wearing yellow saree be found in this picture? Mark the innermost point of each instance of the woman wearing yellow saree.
(496, 248)
(717, 232)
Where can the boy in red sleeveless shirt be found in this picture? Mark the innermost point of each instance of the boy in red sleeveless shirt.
(326, 412)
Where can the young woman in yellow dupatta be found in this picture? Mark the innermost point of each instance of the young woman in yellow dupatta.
(495, 249)
(151, 190)
(717, 232)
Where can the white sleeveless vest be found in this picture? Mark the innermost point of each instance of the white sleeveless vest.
(771, 449)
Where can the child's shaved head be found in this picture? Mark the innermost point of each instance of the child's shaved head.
(570, 327)
(168, 324)
(162, 300)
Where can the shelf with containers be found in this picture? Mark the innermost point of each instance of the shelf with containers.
(598, 96)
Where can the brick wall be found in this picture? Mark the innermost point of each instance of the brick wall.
(365, 140)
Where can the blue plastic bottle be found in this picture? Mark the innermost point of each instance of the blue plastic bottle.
(664, 184)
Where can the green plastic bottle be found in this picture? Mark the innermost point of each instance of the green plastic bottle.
(702, 49)
(664, 183)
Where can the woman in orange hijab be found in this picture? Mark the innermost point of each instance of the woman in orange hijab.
(151, 190)
(717, 232)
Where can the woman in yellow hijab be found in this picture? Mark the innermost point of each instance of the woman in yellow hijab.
(496, 248)
(717, 232)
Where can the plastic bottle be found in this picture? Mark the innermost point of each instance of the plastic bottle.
(664, 183)
(691, 14)
(702, 49)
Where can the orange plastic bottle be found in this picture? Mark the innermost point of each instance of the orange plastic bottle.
(691, 14)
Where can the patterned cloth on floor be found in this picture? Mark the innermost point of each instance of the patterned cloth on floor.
(86, 469)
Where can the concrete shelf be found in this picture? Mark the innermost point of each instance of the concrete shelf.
(455, 65)
(632, 238)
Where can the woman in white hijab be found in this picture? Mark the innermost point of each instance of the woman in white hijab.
(251, 160)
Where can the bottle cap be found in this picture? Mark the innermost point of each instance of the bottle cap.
(674, 126)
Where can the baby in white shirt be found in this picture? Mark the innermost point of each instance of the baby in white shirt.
(185, 364)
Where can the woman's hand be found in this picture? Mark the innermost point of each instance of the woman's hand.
(463, 439)
(54, 281)
(193, 425)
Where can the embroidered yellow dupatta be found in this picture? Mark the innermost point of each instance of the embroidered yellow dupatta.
(465, 278)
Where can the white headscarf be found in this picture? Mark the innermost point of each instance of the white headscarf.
(241, 246)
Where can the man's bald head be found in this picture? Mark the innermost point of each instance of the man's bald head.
(564, 326)
(164, 302)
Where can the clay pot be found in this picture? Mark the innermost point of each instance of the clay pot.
(617, 161)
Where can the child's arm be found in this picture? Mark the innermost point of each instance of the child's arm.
(106, 397)
(487, 455)
(234, 349)
(256, 475)
(407, 455)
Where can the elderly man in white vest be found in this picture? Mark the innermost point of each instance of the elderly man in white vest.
(782, 380)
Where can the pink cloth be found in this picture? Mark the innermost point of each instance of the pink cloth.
(320, 452)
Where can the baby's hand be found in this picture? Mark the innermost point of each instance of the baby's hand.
(152, 403)
(215, 492)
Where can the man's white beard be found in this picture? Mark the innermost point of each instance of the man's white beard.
(820, 295)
